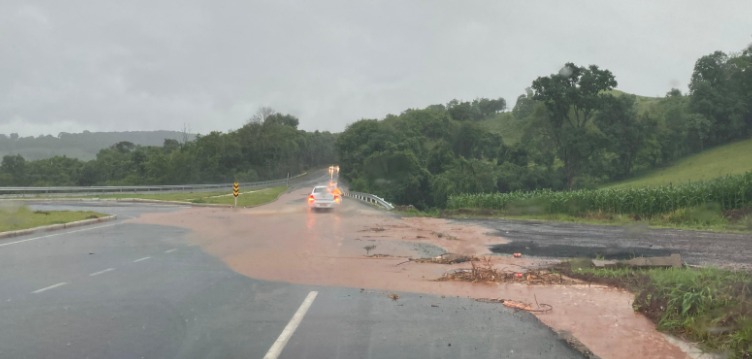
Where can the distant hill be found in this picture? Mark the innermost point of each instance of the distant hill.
(83, 146)
(730, 159)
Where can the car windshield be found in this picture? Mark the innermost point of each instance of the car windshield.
(375, 179)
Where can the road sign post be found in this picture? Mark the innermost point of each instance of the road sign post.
(236, 192)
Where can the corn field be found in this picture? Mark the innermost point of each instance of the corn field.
(729, 192)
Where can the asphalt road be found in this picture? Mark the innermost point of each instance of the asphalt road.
(126, 290)
(552, 239)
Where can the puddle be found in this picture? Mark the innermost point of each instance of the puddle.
(396, 248)
(567, 251)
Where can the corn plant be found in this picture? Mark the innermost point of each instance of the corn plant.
(729, 192)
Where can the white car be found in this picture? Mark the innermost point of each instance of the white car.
(322, 197)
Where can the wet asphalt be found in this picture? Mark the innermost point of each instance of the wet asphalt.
(126, 290)
(562, 240)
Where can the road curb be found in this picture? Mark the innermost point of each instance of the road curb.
(53, 227)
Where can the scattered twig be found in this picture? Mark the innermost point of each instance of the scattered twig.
(408, 260)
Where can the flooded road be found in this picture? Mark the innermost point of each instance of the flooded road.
(360, 247)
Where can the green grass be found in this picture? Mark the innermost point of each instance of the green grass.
(14, 218)
(252, 199)
(707, 305)
(170, 196)
(248, 199)
(731, 159)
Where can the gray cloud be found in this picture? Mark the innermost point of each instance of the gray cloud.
(145, 65)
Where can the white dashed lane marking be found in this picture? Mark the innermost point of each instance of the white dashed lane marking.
(101, 272)
(141, 259)
(50, 287)
(287, 333)
(170, 250)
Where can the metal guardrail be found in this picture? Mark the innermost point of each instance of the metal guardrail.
(369, 198)
(6, 191)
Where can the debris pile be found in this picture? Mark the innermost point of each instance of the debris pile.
(483, 270)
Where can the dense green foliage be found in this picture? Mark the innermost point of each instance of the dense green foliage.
(570, 130)
(731, 192)
(269, 146)
(422, 155)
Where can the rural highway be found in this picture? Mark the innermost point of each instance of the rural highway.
(125, 289)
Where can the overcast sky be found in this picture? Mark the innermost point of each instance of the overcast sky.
(209, 65)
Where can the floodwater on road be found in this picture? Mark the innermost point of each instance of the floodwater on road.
(360, 247)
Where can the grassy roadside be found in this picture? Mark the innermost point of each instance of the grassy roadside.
(707, 305)
(251, 199)
(247, 199)
(170, 196)
(21, 217)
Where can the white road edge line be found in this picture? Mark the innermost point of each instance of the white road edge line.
(57, 234)
(287, 333)
(50, 287)
(170, 250)
(101, 272)
(141, 259)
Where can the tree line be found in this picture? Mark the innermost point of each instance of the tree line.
(574, 130)
(269, 146)
(577, 131)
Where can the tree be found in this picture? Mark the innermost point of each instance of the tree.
(572, 98)
(359, 141)
(463, 111)
(488, 107)
(261, 115)
(525, 105)
(624, 134)
(14, 169)
(280, 119)
(719, 91)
